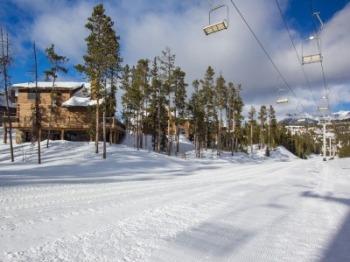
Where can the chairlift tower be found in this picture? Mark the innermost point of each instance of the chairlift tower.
(318, 58)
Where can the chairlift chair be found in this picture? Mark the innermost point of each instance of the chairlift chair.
(218, 26)
(281, 99)
(313, 58)
(323, 104)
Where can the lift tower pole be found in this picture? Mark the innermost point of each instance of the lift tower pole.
(324, 141)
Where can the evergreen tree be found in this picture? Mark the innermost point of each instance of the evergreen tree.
(262, 119)
(136, 97)
(57, 65)
(126, 100)
(252, 123)
(102, 56)
(197, 115)
(158, 114)
(207, 92)
(230, 112)
(220, 102)
(179, 102)
(5, 61)
(167, 67)
(238, 117)
(272, 127)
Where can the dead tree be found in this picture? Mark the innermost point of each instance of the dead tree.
(37, 118)
(5, 62)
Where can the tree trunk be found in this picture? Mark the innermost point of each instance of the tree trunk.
(251, 138)
(5, 58)
(5, 131)
(97, 124)
(159, 131)
(104, 136)
(39, 149)
(169, 125)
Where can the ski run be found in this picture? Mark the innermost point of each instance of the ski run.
(142, 206)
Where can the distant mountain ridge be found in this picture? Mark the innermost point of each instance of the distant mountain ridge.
(341, 115)
(308, 119)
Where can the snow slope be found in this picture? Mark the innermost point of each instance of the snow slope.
(140, 206)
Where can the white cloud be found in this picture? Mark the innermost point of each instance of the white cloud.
(147, 27)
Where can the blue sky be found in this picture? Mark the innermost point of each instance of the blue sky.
(147, 26)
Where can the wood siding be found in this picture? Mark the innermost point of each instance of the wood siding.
(76, 118)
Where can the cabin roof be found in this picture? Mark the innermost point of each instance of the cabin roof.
(48, 85)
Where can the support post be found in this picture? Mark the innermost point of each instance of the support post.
(324, 143)
(5, 131)
(62, 134)
(104, 135)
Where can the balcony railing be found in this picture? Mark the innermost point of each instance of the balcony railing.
(67, 123)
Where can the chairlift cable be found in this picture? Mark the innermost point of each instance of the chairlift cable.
(325, 83)
(307, 81)
(266, 53)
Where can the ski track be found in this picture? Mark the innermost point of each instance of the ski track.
(213, 211)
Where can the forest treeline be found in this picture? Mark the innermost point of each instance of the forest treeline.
(158, 102)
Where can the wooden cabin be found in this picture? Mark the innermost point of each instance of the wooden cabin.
(3, 107)
(65, 109)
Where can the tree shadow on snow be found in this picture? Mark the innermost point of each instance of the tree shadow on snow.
(338, 249)
(97, 171)
(213, 239)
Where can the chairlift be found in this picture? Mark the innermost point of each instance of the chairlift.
(218, 26)
(323, 104)
(313, 58)
(281, 99)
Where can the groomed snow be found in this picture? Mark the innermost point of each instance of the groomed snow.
(141, 206)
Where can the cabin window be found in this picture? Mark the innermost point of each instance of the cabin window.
(31, 95)
(56, 99)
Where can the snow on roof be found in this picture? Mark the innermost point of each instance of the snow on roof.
(43, 85)
(76, 101)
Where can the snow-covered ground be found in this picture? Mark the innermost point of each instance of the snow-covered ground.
(141, 206)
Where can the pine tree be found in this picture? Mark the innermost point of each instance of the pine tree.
(167, 67)
(57, 65)
(220, 102)
(197, 115)
(272, 127)
(157, 110)
(5, 61)
(207, 92)
(262, 119)
(230, 111)
(179, 102)
(101, 57)
(140, 89)
(238, 117)
(251, 117)
(125, 85)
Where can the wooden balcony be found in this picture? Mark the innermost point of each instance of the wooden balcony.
(65, 124)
